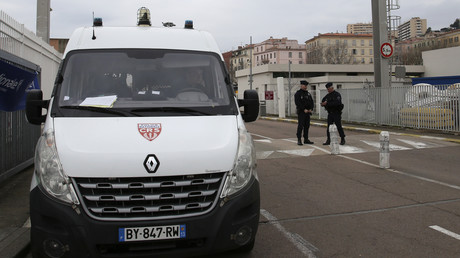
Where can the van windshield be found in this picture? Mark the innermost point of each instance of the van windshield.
(144, 81)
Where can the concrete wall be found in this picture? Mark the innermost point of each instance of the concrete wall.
(442, 62)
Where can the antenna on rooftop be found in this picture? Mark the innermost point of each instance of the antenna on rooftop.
(94, 35)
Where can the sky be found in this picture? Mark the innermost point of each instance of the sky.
(233, 23)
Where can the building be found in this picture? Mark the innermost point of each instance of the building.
(359, 28)
(410, 51)
(265, 80)
(340, 48)
(59, 44)
(415, 27)
(279, 51)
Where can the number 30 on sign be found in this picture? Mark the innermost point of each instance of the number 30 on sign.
(386, 50)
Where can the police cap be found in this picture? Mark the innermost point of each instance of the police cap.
(304, 82)
(329, 84)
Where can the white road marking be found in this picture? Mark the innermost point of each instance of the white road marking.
(404, 173)
(445, 231)
(298, 152)
(393, 147)
(300, 243)
(347, 149)
(27, 223)
(263, 154)
(417, 145)
(261, 136)
(264, 140)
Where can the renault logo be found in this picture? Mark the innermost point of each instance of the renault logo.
(151, 163)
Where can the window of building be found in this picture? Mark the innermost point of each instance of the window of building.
(370, 42)
(354, 51)
(345, 42)
(354, 42)
(456, 39)
(362, 42)
(371, 51)
(290, 54)
(362, 52)
(300, 54)
(328, 42)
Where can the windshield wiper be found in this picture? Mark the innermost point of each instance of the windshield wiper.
(101, 110)
(171, 109)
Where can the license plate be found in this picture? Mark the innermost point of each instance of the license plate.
(151, 233)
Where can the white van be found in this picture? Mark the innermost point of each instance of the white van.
(144, 151)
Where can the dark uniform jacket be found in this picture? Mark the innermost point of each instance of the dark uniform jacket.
(303, 100)
(334, 102)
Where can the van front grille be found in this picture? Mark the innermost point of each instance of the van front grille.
(149, 197)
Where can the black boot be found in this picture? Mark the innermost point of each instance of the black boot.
(328, 142)
(299, 142)
(342, 142)
(307, 141)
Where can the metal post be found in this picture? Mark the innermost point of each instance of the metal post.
(289, 87)
(250, 63)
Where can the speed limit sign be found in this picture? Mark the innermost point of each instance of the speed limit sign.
(386, 50)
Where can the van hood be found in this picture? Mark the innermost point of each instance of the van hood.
(120, 147)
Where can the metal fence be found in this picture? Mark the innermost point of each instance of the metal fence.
(17, 143)
(421, 106)
(17, 136)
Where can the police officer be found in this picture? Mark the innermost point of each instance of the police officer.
(333, 104)
(304, 103)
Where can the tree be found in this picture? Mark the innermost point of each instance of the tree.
(428, 31)
(333, 54)
(456, 24)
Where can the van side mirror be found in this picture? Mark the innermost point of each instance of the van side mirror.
(34, 106)
(250, 103)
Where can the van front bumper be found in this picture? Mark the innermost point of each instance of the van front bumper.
(59, 230)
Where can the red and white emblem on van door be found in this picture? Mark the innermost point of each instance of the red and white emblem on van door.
(149, 131)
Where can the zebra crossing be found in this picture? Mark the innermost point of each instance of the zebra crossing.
(268, 148)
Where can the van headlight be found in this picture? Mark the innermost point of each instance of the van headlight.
(244, 167)
(49, 171)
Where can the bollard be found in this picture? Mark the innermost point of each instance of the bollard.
(384, 149)
(334, 139)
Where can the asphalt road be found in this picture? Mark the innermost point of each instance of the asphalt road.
(315, 204)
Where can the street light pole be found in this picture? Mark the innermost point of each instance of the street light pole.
(250, 63)
(289, 87)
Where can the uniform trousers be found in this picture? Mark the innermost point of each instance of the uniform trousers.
(335, 118)
(303, 123)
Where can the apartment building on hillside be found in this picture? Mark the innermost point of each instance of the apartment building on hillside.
(359, 28)
(279, 51)
(415, 27)
(410, 51)
(340, 48)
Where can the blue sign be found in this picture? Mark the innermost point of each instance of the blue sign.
(14, 83)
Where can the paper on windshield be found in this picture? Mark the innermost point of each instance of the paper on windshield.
(105, 101)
